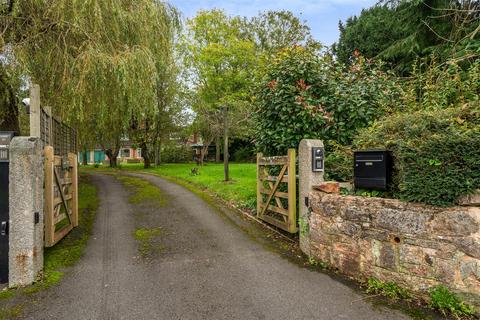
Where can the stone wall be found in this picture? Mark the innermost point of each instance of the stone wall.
(415, 246)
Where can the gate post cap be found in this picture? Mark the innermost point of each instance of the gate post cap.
(21, 142)
(311, 143)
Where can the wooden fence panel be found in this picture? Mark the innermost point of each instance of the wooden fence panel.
(277, 194)
(61, 169)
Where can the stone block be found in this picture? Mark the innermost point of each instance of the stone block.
(445, 271)
(401, 222)
(353, 213)
(346, 185)
(454, 223)
(321, 252)
(387, 258)
(374, 234)
(469, 268)
(328, 187)
(319, 237)
(347, 262)
(468, 245)
(470, 200)
(350, 229)
(446, 251)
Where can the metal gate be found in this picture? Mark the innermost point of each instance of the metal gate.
(277, 190)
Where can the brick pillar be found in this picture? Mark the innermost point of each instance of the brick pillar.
(26, 199)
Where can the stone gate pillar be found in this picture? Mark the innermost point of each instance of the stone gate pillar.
(26, 211)
(307, 179)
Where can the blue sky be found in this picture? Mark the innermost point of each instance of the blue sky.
(321, 15)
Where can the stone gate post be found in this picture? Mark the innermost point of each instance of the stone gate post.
(307, 179)
(26, 211)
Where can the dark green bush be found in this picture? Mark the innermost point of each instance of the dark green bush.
(339, 163)
(302, 95)
(177, 154)
(440, 169)
(245, 154)
(436, 153)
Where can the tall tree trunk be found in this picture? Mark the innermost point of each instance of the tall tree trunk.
(84, 157)
(155, 154)
(8, 105)
(112, 157)
(158, 153)
(217, 150)
(203, 152)
(113, 154)
(225, 147)
(146, 156)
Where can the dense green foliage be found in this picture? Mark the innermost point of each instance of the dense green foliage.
(437, 153)
(275, 30)
(221, 55)
(245, 154)
(303, 94)
(435, 137)
(449, 303)
(100, 64)
(177, 154)
(370, 33)
(399, 32)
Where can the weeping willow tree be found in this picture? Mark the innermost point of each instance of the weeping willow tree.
(98, 62)
(149, 129)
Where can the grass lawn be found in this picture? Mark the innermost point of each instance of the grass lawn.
(242, 189)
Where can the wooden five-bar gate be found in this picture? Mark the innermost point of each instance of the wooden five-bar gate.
(61, 174)
(276, 190)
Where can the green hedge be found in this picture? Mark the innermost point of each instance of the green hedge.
(436, 153)
(440, 169)
(245, 155)
(177, 154)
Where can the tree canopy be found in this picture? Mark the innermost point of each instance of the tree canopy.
(99, 63)
(400, 31)
(274, 30)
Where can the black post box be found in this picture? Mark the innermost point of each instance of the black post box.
(5, 140)
(373, 169)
